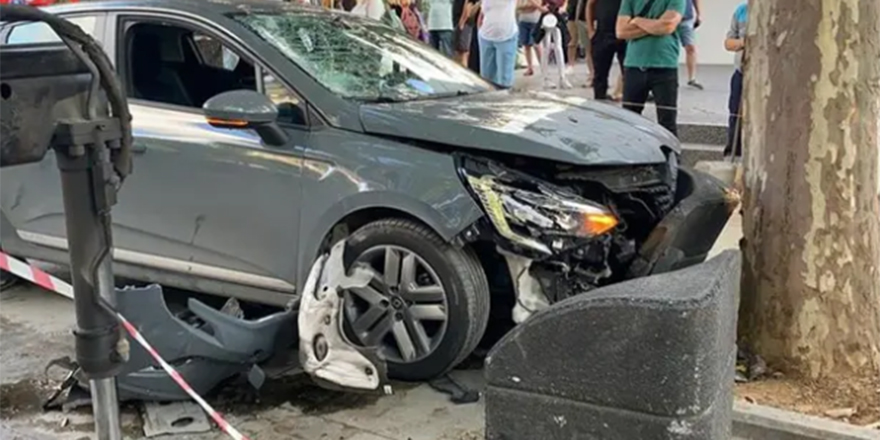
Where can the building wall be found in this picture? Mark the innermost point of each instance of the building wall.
(711, 34)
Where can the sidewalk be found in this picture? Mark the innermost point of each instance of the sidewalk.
(696, 107)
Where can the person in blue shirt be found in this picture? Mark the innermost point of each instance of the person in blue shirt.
(735, 42)
(687, 32)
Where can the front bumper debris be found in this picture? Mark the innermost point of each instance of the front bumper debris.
(686, 235)
(530, 296)
(683, 238)
(325, 352)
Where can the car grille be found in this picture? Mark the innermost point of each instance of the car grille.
(642, 194)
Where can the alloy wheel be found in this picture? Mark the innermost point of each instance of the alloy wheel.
(403, 310)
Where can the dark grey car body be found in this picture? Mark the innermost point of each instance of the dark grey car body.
(219, 211)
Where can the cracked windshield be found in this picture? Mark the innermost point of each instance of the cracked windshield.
(363, 61)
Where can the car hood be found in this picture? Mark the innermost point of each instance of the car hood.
(570, 130)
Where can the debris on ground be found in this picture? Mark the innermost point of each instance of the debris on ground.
(22, 397)
(749, 366)
(174, 418)
(458, 393)
(840, 413)
(857, 403)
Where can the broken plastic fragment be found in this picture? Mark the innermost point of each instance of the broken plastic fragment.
(325, 351)
(529, 296)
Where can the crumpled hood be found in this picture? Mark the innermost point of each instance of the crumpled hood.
(570, 130)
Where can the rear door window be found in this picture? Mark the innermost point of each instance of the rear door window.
(36, 33)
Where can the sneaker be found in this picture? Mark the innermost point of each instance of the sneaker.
(695, 84)
(564, 84)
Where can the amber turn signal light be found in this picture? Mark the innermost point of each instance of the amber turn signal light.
(598, 223)
(232, 123)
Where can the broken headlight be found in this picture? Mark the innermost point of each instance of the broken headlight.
(536, 214)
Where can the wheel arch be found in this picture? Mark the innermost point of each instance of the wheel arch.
(362, 208)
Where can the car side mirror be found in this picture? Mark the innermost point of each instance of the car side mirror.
(241, 109)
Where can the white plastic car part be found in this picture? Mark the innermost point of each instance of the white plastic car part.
(325, 351)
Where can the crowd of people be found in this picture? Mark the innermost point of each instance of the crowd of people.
(645, 37)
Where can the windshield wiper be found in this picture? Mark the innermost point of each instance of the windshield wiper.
(340, 20)
(454, 94)
(386, 99)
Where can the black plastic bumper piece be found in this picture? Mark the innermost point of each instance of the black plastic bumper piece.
(651, 358)
(686, 235)
(223, 347)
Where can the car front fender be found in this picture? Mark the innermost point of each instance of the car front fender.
(410, 182)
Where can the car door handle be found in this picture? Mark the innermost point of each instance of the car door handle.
(138, 148)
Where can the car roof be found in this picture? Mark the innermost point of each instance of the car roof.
(198, 7)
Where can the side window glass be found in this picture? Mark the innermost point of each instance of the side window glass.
(175, 65)
(291, 108)
(215, 54)
(35, 33)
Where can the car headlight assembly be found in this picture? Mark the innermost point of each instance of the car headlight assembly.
(536, 215)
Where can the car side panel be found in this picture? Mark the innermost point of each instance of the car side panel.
(209, 196)
(345, 172)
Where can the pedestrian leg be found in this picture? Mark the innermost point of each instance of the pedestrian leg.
(446, 46)
(584, 38)
(545, 59)
(603, 58)
(558, 51)
(488, 63)
(572, 43)
(505, 59)
(620, 50)
(734, 121)
(687, 36)
(434, 39)
(664, 86)
(635, 89)
(530, 60)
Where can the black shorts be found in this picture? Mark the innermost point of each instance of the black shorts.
(463, 38)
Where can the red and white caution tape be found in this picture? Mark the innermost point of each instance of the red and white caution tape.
(34, 275)
(46, 281)
(218, 419)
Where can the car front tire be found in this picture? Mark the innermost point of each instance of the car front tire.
(7, 280)
(428, 305)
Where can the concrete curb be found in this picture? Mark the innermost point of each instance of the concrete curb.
(706, 134)
(692, 154)
(759, 422)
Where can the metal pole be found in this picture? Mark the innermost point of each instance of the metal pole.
(88, 195)
(105, 407)
(105, 403)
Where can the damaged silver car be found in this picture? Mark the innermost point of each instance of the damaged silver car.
(266, 133)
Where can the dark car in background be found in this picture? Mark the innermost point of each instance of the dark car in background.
(265, 132)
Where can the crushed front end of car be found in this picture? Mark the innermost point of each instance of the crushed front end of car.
(565, 229)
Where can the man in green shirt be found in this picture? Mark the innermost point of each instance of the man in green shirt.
(651, 64)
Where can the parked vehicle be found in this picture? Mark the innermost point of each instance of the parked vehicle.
(266, 132)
